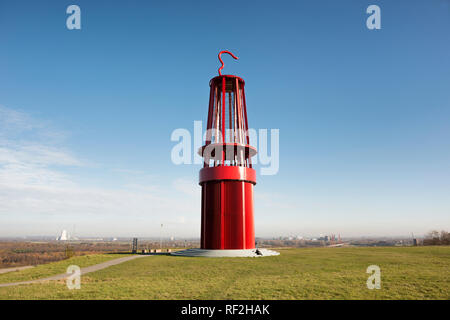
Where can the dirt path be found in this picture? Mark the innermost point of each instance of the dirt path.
(6, 270)
(85, 270)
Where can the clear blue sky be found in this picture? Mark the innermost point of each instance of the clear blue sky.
(86, 115)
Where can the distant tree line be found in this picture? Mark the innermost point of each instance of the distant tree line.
(436, 238)
(16, 253)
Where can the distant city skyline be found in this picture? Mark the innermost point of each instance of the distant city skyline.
(86, 116)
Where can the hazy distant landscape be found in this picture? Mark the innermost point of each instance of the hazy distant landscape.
(15, 252)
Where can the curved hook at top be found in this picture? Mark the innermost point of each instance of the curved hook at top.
(220, 59)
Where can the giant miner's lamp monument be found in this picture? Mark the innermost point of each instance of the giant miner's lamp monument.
(227, 177)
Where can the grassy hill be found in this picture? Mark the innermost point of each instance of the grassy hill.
(50, 269)
(316, 273)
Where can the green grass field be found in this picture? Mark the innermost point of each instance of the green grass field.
(310, 273)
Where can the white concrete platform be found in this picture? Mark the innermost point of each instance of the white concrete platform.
(247, 253)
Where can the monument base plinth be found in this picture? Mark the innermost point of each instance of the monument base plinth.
(245, 253)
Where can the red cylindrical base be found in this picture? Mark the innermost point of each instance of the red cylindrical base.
(227, 215)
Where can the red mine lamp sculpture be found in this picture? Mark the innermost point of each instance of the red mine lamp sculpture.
(227, 177)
